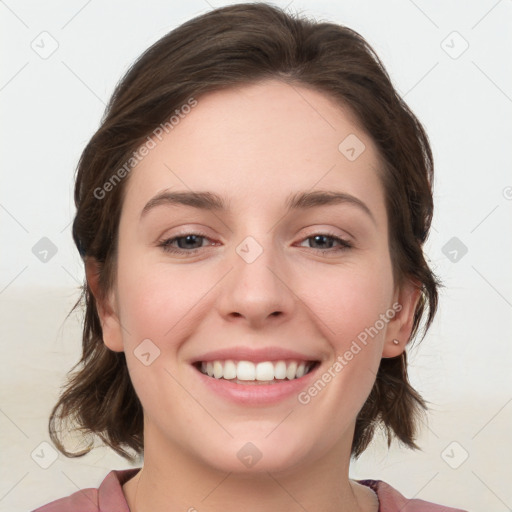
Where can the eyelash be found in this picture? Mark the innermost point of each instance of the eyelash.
(166, 244)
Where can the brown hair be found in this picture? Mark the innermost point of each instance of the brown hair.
(230, 46)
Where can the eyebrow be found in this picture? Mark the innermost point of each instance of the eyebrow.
(297, 201)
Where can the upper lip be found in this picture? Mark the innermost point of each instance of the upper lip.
(256, 355)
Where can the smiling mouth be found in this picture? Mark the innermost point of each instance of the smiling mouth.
(264, 372)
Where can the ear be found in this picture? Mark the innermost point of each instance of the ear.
(105, 307)
(400, 326)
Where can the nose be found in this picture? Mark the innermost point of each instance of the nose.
(257, 290)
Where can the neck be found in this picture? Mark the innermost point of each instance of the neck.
(172, 480)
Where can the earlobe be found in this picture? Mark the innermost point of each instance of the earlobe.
(400, 327)
(105, 307)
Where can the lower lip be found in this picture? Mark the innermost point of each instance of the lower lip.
(257, 394)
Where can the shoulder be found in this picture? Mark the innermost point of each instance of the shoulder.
(85, 500)
(390, 500)
(108, 497)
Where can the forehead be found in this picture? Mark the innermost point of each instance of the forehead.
(260, 140)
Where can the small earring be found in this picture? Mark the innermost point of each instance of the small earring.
(396, 342)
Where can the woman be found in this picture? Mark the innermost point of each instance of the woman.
(251, 215)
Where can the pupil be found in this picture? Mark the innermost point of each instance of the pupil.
(319, 238)
(190, 239)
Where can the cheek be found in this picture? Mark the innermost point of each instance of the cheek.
(352, 300)
(155, 301)
(354, 308)
(155, 307)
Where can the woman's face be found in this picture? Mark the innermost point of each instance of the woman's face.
(267, 286)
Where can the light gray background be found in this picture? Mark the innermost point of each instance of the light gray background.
(51, 106)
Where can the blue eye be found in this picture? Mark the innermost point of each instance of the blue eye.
(188, 246)
(191, 243)
(321, 237)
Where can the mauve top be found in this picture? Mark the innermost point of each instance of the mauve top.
(109, 497)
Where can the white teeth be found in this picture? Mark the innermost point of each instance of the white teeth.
(265, 371)
(280, 370)
(291, 370)
(249, 371)
(245, 370)
(217, 369)
(229, 370)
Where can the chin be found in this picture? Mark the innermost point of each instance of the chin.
(243, 456)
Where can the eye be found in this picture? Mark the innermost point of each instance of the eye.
(188, 243)
(326, 241)
(191, 243)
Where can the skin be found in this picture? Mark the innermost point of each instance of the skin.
(254, 145)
